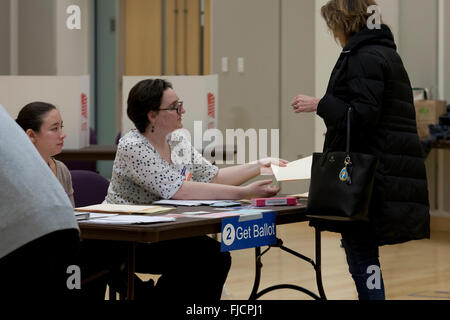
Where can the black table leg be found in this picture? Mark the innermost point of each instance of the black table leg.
(316, 265)
(131, 268)
(258, 266)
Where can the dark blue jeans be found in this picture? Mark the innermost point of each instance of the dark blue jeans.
(364, 266)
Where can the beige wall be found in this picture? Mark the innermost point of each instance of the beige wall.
(276, 40)
(37, 37)
(297, 76)
(249, 99)
(4, 37)
(72, 46)
(418, 42)
(390, 10)
(44, 45)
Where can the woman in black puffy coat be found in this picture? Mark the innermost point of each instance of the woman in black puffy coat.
(370, 77)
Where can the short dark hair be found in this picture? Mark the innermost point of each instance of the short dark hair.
(144, 97)
(31, 116)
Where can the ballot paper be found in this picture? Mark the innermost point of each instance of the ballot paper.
(129, 219)
(242, 213)
(295, 170)
(194, 213)
(82, 215)
(190, 203)
(124, 209)
(96, 215)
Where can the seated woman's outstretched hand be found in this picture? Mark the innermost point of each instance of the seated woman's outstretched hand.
(261, 189)
(265, 164)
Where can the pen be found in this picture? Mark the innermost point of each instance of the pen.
(183, 171)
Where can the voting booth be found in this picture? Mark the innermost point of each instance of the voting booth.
(199, 96)
(69, 94)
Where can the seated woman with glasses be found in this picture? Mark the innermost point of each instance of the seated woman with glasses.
(153, 163)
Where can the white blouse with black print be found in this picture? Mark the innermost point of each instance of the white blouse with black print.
(140, 175)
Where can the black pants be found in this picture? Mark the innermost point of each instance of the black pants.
(191, 269)
(362, 255)
(38, 270)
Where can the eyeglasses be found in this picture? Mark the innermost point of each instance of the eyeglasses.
(178, 107)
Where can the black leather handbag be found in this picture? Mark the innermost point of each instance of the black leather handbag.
(341, 183)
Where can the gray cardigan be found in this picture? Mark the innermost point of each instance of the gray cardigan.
(64, 177)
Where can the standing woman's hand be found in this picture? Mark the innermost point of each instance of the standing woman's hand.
(302, 103)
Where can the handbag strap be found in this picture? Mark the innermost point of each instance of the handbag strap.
(349, 112)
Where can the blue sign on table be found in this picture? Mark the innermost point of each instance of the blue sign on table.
(238, 234)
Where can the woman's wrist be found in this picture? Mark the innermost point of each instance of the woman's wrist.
(245, 192)
(317, 103)
(256, 168)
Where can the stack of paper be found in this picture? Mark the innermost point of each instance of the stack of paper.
(295, 170)
(195, 203)
(82, 215)
(128, 219)
(125, 209)
(241, 212)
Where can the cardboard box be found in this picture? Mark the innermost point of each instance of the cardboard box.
(428, 112)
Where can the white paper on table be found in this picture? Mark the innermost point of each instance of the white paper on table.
(122, 208)
(226, 214)
(295, 170)
(96, 215)
(194, 213)
(188, 203)
(130, 219)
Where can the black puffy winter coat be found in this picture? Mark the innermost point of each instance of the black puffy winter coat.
(370, 77)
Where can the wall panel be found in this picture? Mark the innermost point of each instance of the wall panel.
(143, 37)
(5, 37)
